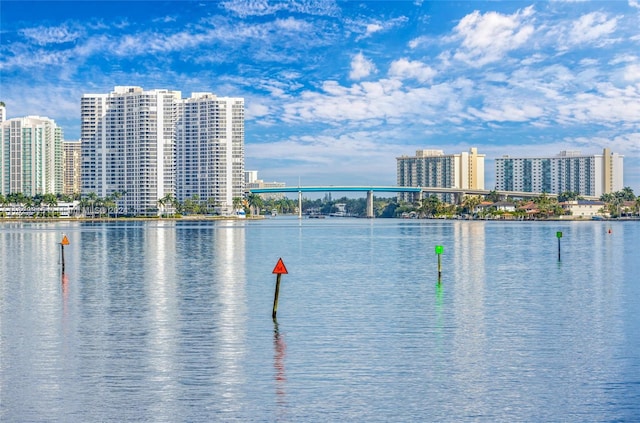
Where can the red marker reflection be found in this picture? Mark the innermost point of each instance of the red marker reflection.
(278, 363)
(65, 295)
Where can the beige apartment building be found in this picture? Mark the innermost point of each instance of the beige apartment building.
(433, 168)
(72, 167)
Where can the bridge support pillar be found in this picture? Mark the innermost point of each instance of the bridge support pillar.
(299, 204)
(370, 204)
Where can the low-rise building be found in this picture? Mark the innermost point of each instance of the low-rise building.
(585, 208)
(251, 181)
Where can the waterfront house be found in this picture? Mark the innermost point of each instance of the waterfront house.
(585, 208)
(504, 206)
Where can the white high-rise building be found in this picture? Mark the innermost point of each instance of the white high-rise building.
(434, 169)
(210, 150)
(592, 175)
(128, 143)
(147, 145)
(30, 156)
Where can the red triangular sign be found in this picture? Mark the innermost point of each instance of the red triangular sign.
(65, 240)
(280, 268)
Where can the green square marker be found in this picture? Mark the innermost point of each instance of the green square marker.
(559, 234)
(439, 249)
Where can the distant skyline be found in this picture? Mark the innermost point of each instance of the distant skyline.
(336, 90)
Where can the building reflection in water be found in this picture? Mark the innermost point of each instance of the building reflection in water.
(469, 336)
(160, 285)
(229, 264)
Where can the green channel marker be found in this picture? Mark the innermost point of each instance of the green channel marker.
(439, 250)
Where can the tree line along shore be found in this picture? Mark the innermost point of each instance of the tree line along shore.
(621, 204)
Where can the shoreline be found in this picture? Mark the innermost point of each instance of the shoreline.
(124, 219)
(202, 218)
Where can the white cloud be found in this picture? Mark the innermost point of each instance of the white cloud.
(404, 68)
(292, 24)
(418, 41)
(632, 72)
(589, 62)
(608, 105)
(624, 58)
(591, 27)
(508, 113)
(359, 154)
(245, 8)
(255, 110)
(368, 28)
(386, 100)
(626, 144)
(361, 67)
(51, 35)
(372, 28)
(488, 38)
(634, 3)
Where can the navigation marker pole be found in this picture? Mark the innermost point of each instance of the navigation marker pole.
(279, 270)
(439, 250)
(559, 235)
(65, 241)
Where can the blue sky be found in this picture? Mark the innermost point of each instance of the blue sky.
(335, 91)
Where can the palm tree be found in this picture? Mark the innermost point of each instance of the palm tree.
(161, 203)
(64, 198)
(255, 203)
(493, 196)
(50, 200)
(627, 194)
(113, 199)
(99, 204)
(568, 196)
(18, 201)
(237, 203)
(429, 206)
(3, 202)
(83, 206)
(28, 203)
(90, 203)
(545, 204)
(192, 204)
(168, 199)
(470, 202)
(613, 202)
(211, 205)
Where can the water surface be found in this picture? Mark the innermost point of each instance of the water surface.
(171, 321)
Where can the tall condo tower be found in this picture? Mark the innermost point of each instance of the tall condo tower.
(210, 150)
(147, 145)
(592, 175)
(30, 156)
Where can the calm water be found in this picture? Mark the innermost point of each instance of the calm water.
(171, 321)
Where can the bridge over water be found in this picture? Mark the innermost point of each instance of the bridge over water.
(459, 193)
